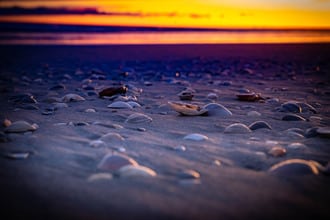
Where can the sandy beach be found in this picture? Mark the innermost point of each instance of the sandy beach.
(79, 155)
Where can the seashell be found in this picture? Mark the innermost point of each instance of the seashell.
(138, 118)
(295, 167)
(290, 107)
(277, 151)
(212, 96)
(293, 117)
(189, 174)
(249, 97)
(253, 114)
(90, 110)
(97, 144)
(297, 145)
(323, 132)
(119, 105)
(237, 128)
(136, 171)
(296, 130)
(99, 177)
(293, 134)
(112, 137)
(259, 124)
(311, 132)
(187, 109)
(72, 98)
(111, 91)
(217, 109)
(195, 137)
(20, 126)
(113, 162)
(23, 98)
(307, 107)
(180, 148)
(17, 155)
(186, 95)
(134, 104)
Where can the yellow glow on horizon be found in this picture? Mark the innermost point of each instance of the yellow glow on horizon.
(186, 13)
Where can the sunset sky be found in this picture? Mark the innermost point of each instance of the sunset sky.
(173, 13)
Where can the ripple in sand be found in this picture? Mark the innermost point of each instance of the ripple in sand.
(99, 177)
(259, 124)
(113, 162)
(195, 137)
(295, 167)
(138, 118)
(217, 109)
(20, 126)
(72, 98)
(293, 117)
(187, 109)
(120, 105)
(277, 151)
(237, 128)
(135, 171)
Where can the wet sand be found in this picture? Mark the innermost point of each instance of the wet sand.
(54, 181)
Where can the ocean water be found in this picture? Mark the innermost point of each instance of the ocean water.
(158, 37)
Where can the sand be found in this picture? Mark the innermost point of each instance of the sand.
(234, 182)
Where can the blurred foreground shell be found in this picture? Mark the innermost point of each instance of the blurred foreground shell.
(259, 124)
(187, 109)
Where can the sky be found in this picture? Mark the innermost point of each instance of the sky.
(172, 13)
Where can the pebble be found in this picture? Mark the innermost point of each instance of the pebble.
(186, 95)
(189, 174)
(135, 171)
(253, 114)
(138, 118)
(237, 128)
(259, 124)
(217, 109)
(195, 137)
(277, 151)
(99, 177)
(72, 98)
(20, 126)
(294, 167)
(249, 97)
(293, 117)
(120, 105)
(113, 162)
(217, 162)
(141, 129)
(187, 109)
(311, 132)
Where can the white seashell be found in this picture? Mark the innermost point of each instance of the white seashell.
(134, 104)
(138, 118)
(217, 109)
(187, 109)
(21, 126)
(119, 105)
(72, 98)
(237, 128)
(195, 137)
(99, 177)
(136, 171)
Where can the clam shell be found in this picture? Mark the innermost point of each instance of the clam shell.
(136, 171)
(237, 128)
(72, 98)
(217, 109)
(99, 177)
(259, 124)
(195, 137)
(294, 167)
(293, 117)
(20, 126)
(113, 162)
(290, 106)
(187, 109)
(120, 105)
(138, 118)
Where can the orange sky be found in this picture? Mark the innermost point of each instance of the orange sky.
(186, 13)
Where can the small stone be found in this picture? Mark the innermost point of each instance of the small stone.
(141, 129)
(293, 117)
(189, 174)
(195, 137)
(120, 105)
(259, 124)
(135, 171)
(138, 118)
(99, 177)
(186, 95)
(113, 162)
(237, 128)
(294, 167)
(217, 162)
(20, 126)
(277, 151)
(253, 114)
(249, 97)
(72, 98)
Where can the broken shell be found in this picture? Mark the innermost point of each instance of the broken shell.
(259, 124)
(237, 128)
(187, 109)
